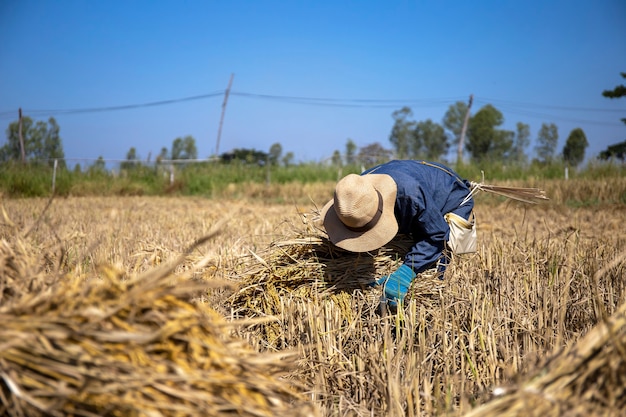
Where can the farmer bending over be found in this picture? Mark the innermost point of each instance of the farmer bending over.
(401, 197)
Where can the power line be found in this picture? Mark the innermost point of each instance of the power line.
(526, 109)
(121, 107)
(315, 101)
(341, 102)
(515, 107)
(548, 106)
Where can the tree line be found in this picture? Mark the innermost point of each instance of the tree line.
(482, 136)
(483, 140)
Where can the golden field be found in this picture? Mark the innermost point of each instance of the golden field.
(239, 306)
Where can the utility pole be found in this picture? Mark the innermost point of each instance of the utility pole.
(219, 131)
(459, 157)
(19, 130)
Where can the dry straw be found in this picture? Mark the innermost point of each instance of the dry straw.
(588, 378)
(323, 305)
(524, 194)
(309, 277)
(109, 347)
(104, 345)
(308, 267)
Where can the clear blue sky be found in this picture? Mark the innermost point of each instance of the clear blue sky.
(535, 61)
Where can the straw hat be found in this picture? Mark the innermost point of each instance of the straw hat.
(361, 217)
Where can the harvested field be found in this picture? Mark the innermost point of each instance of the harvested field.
(114, 307)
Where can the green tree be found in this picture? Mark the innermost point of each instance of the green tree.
(617, 150)
(12, 149)
(52, 147)
(617, 92)
(484, 139)
(288, 159)
(575, 146)
(350, 152)
(336, 159)
(520, 143)
(429, 141)
(401, 134)
(453, 120)
(42, 141)
(547, 140)
(276, 150)
(184, 148)
(163, 155)
(98, 167)
(374, 154)
(247, 156)
(131, 159)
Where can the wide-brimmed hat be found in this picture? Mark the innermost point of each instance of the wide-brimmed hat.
(361, 217)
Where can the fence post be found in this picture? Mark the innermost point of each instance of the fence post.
(54, 174)
(171, 174)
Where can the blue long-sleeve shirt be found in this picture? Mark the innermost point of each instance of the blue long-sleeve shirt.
(426, 192)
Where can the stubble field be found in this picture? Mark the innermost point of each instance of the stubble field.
(107, 306)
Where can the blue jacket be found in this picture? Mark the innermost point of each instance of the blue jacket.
(426, 191)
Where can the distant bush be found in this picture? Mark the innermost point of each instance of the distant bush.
(212, 179)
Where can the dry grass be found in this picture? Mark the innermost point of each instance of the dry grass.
(514, 317)
(128, 347)
(500, 313)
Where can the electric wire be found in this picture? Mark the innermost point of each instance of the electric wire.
(546, 106)
(338, 102)
(116, 108)
(535, 110)
(526, 109)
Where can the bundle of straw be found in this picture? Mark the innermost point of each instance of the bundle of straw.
(523, 194)
(107, 347)
(308, 267)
